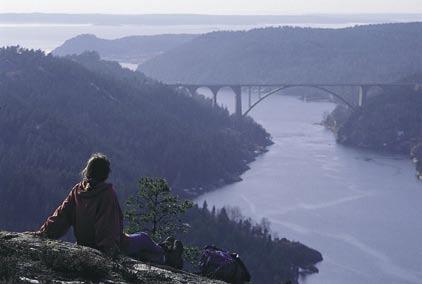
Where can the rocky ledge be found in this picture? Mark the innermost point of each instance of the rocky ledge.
(28, 259)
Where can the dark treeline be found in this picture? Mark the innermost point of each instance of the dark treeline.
(288, 54)
(269, 259)
(55, 112)
(134, 49)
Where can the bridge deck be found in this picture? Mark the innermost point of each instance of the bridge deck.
(368, 84)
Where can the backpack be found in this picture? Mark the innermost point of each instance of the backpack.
(222, 265)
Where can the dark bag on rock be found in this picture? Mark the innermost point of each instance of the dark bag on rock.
(222, 265)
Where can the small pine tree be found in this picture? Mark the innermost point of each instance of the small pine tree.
(154, 209)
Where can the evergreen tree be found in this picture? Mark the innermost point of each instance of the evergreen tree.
(154, 209)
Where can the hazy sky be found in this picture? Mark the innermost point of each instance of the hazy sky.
(212, 6)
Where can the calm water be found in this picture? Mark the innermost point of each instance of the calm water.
(360, 209)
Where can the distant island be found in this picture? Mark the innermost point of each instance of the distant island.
(132, 49)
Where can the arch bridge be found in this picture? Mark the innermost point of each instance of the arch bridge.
(362, 91)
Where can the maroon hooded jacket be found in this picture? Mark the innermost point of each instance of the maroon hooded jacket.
(95, 215)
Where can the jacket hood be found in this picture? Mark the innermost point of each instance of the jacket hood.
(92, 192)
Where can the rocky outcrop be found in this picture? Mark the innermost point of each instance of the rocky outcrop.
(28, 259)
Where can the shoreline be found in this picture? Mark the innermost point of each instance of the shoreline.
(194, 192)
(339, 117)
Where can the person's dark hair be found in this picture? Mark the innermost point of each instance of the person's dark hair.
(97, 168)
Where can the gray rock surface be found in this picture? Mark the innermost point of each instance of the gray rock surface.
(28, 259)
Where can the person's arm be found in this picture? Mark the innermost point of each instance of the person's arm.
(59, 223)
(108, 224)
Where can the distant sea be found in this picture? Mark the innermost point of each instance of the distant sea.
(47, 31)
(48, 36)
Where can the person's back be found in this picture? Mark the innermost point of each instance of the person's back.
(98, 218)
(93, 210)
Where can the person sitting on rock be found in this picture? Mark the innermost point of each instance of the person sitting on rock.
(93, 210)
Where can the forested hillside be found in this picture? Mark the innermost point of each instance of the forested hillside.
(55, 112)
(133, 49)
(286, 54)
(269, 259)
(390, 122)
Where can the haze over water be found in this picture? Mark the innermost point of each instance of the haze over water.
(49, 36)
(360, 209)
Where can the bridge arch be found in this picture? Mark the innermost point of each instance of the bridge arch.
(215, 89)
(376, 88)
(212, 89)
(321, 88)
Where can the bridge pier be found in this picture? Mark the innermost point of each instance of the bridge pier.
(238, 100)
(214, 91)
(363, 90)
(214, 99)
(192, 90)
(249, 96)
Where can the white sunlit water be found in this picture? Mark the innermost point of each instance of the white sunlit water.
(362, 210)
(130, 66)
